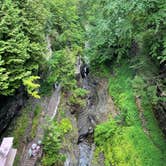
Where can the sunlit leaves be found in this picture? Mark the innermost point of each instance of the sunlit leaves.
(32, 87)
(116, 24)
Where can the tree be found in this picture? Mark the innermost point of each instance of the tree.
(119, 24)
(22, 42)
(13, 44)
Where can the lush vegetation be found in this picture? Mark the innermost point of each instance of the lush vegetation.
(123, 140)
(123, 37)
(23, 128)
(133, 30)
(53, 140)
(22, 44)
(128, 37)
(116, 26)
(35, 121)
(23, 58)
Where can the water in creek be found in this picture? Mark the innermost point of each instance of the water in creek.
(99, 105)
(86, 153)
(85, 126)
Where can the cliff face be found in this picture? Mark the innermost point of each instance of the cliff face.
(9, 108)
(160, 108)
(160, 113)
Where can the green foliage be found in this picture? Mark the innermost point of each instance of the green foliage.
(66, 36)
(64, 23)
(31, 86)
(52, 145)
(115, 25)
(52, 141)
(138, 86)
(65, 125)
(23, 28)
(120, 89)
(105, 132)
(13, 47)
(123, 141)
(126, 146)
(21, 42)
(77, 97)
(20, 127)
(144, 90)
(4, 76)
(35, 121)
(61, 69)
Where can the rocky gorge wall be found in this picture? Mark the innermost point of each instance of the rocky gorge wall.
(9, 108)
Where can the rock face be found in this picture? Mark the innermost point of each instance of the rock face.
(99, 106)
(9, 107)
(160, 113)
(160, 108)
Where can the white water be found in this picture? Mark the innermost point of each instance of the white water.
(48, 40)
(58, 96)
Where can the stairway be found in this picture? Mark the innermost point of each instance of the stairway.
(30, 161)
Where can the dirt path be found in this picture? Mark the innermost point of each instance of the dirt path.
(49, 109)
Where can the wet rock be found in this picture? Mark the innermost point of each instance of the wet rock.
(83, 123)
(92, 120)
(160, 114)
(90, 130)
(85, 154)
(10, 108)
(81, 139)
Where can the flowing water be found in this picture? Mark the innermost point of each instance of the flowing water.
(86, 125)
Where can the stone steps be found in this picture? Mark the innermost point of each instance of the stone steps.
(30, 161)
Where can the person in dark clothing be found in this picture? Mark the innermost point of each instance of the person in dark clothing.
(84, 70)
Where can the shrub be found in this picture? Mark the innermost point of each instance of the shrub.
(77, 98)
(53, 142)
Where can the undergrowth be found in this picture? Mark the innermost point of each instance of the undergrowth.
(20, 127)
(35, 121)
(53, 139)
(122, 140)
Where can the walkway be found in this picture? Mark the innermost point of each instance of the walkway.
(49, 110)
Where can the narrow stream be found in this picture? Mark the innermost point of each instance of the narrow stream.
(86, 125)
(99, 107)
(85, 120)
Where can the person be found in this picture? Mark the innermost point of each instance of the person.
(34, 149)
(38, 146)
(34, 145)
(56, 85)
(39, 142)
(30, 152)
(84, 71)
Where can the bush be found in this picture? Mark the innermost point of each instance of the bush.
(126, 144)
(104, 132)
(35, 121)
(53, 142)
(77, 98)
